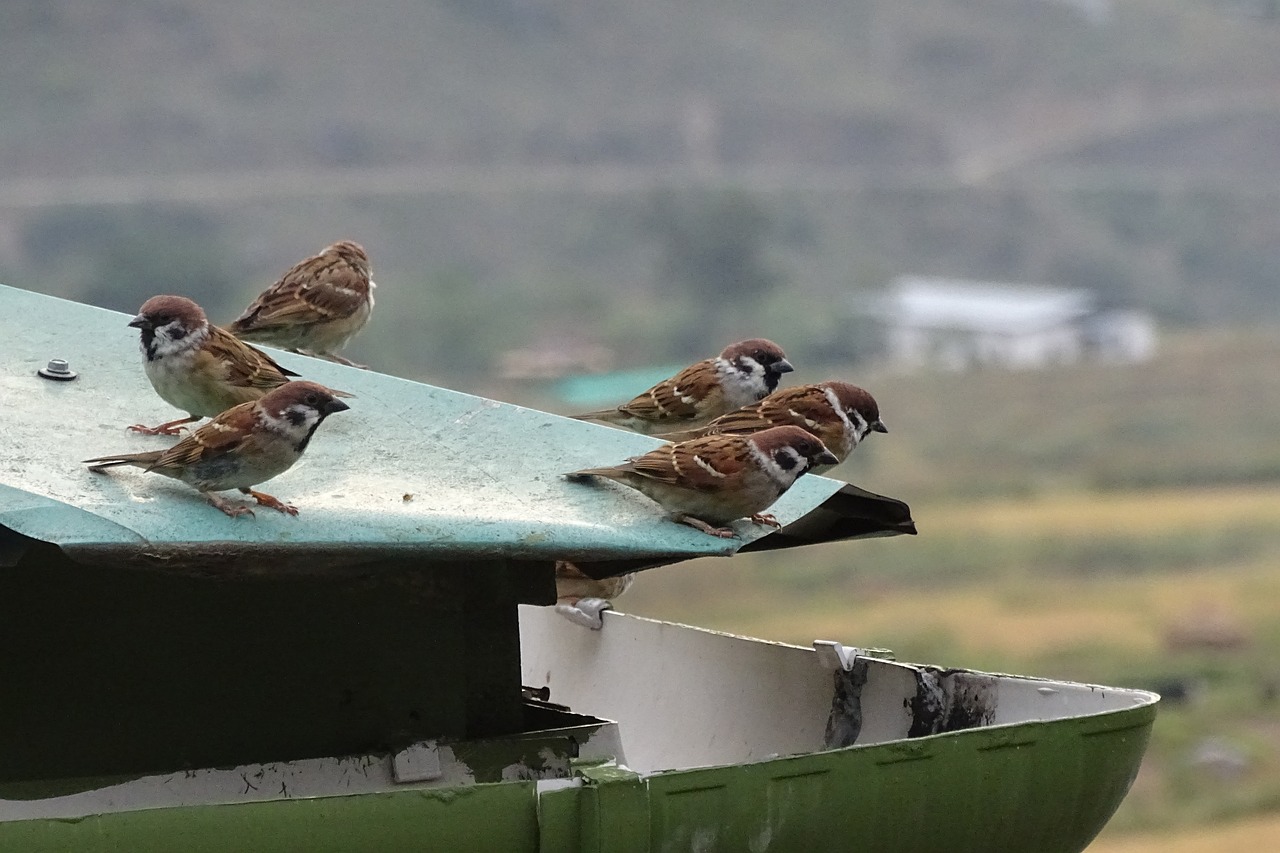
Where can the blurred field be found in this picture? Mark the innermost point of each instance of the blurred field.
(1259, 835)
(1102, 524)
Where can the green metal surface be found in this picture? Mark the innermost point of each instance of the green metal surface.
(500, 817)
(411, 469)
(1038, 787)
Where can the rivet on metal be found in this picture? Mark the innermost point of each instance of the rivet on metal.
(58, 369)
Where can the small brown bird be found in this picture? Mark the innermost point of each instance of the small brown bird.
(743, 373)
(711, 481)
(583, 599)
(197, 367)
(572, 585)
(839, 414)
(316, 307)
(242, 447)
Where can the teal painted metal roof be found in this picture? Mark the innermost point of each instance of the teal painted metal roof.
(411, 469)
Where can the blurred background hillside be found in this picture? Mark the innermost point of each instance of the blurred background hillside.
(549, 186)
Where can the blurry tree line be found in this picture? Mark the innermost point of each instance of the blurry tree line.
(715, 264)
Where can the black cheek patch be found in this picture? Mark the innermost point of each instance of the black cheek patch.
(786, 461)
(295, 417)
(149, 343)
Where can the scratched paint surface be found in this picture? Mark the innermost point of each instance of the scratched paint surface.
(485, 477)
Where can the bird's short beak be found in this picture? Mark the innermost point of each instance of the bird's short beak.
(782, 366)
(879, 426)
(826, 457)
(335, 406)
(141, 322)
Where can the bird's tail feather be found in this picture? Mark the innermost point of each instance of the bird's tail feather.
(142, 460)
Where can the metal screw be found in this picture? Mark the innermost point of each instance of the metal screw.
(58, 369)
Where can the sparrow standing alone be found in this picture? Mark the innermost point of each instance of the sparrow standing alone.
(241, 447)
(839, 414)
(709, 482)
(197, 367)
(316, 307)
(743, 373)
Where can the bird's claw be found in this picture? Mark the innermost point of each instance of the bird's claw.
(230, 508)
(768, 519)
(272, 502)
(709, 529)
(163, 429)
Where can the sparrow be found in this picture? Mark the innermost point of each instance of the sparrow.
(743, 373)
(582, 599)
(196, 367)
(315, 307)
(839, 414)
(242, 447)
(572, 585)
(708, 482)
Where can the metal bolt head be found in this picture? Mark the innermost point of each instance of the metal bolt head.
(57, 369)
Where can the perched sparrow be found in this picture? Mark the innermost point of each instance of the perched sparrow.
(742, 374)
(708, 482)
(197, 367)
(242, 447)
(838, 413)
(316, 307)
(572, 585)
(582, 599)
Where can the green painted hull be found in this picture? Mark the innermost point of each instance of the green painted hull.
(1043, 787)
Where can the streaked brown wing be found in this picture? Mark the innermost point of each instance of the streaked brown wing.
(705, 464)
(246, 366)
(224, 434)
(687, 396)
(314, 291)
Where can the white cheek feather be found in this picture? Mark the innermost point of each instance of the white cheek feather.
(287, 427)
(863, 427)
(840, 413)
(776, 472)
(167, 345)
(743, 382)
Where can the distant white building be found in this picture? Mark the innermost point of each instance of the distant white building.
(956, 324)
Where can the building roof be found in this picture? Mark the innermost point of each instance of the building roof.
(411, 470)
(981, 306)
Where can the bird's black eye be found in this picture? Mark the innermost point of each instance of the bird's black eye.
(312, 399)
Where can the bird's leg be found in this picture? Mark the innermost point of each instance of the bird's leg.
(341, 360)
(231, 508)
(722, 532)
(768, 519)
(272, 502)
(169, 428)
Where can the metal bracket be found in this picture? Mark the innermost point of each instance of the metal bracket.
(838, 657)
(835, 656)
(587, 612)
